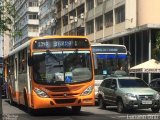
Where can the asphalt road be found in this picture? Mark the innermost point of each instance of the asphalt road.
(87, 113)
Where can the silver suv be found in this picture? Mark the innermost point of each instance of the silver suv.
(127, 93)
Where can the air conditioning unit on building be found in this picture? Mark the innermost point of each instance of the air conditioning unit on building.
(82, 15)
(75, 19)
(66, 6)
(71, 17)
(72, 21)
(52, 20)
(48, 23)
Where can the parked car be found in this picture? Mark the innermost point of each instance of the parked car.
(126, 93)
(155, 84)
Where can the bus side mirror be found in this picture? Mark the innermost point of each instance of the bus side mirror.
(95, 61)
(128, 53)
(30, 61)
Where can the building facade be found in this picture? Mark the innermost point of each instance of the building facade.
(26, 21)
(134, 23)
(47, 17)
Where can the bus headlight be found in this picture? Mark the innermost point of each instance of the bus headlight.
(41, 93)
(87, 91)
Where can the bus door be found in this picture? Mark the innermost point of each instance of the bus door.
(15, 79)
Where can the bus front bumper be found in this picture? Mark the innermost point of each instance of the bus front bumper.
(38, 102)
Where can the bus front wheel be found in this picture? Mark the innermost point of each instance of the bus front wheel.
(10, 98)
(76, 109)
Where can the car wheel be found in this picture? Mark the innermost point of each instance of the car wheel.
(76, 109)
(101, 102)
(155, 110)
(120, 106)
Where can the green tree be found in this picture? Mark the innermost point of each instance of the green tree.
(8, 16)
(156, 50)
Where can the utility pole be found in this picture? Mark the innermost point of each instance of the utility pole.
(1, 27)
(0, 39)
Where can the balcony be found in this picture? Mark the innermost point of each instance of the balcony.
(33, 22)
(33, 9)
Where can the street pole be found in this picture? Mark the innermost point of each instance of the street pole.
(0, 81)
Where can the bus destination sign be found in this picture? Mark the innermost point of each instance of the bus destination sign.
(108, 49)
(61, 43)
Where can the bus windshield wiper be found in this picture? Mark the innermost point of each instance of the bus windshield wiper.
(52, 55)
(58, 82)
(72, 56)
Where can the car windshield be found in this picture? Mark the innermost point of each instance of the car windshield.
(125, 83)
(62, 67)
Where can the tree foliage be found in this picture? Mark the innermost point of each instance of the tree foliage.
(156, 50)
(8, 16)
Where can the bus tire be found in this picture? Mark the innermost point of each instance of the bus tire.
(32, 112)
(25, 99)
(10, 98)
(76, 109)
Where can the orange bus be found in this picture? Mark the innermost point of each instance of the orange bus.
(51, 71)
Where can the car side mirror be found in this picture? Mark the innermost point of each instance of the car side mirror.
(95, 61)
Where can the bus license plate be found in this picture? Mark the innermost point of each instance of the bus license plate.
(146, 102)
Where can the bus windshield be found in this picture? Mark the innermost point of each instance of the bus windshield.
(109, 65)
(109, 58)
(62, 67)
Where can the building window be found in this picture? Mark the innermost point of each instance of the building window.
(58, 5)
(22, 61)
(65, 20)
(109, 19)
(99, 23)
(80, 30)
(120, 14)
(65, 3)
(90, 27)
(99, 2)
(33, 4)
(71, 1)
(33, 16)
(33, 28)
(90, 4)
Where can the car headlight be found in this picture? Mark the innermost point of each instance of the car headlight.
(87, 91)
(130, 95)
(157, 96)
(41, 93)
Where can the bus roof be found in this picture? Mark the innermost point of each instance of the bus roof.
(58, 36)
(100, 44)
(18, 48)
(41, 37)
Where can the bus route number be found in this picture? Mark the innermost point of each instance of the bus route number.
(62, 44)
(42, 44)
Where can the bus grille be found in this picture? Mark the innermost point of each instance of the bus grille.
(62, 95)
(63, 101)
(64, 88)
